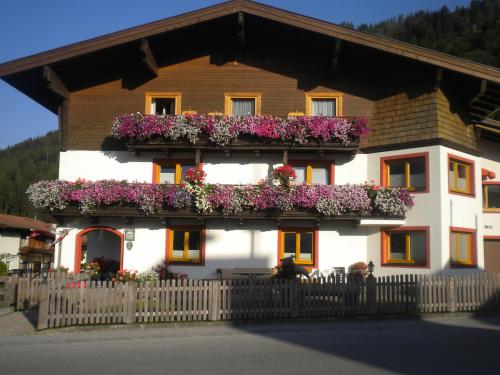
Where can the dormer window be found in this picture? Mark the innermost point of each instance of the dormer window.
(163, 103)
(324, 104)
(242, 104)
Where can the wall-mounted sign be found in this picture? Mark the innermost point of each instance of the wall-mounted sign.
(129, 245)
(129, 234)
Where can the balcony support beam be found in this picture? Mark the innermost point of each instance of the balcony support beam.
(54, 83)
(148, 58)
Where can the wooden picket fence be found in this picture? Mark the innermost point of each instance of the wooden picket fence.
(86, 302)
(28, 288)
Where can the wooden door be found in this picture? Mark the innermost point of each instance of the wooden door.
(492, 255)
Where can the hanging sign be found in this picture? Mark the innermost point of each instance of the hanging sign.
(129, 234)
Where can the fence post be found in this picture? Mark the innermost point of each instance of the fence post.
(213, 300)
(130, 302)
(371, 294)
(451, 300)
(43, 307)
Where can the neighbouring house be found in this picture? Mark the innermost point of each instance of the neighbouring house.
(27, 242)
(238, 90)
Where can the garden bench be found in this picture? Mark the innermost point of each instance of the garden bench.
(244, 273)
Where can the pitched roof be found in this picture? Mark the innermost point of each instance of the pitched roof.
(260, 10)
(21, 222)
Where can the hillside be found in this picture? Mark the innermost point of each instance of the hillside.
(22, 164)
(471, 32)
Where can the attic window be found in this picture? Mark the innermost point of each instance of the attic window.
(242, 104)
(324, 104)
(163, 104)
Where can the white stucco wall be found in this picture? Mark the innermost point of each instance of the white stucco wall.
(9, 244)
(228, 245)
(491, 161)
(255, 244)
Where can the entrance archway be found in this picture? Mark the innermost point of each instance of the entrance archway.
(98, 242)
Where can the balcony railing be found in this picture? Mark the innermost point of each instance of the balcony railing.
(245, 133)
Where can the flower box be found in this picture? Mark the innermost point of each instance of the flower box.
(244, 133)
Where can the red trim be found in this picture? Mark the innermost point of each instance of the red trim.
(79, 240)
(384, 233)
(473, 249)
(302, 229)
(472, 183)
(490, 210)
(485, 173)
(383, 168)
(491, 237)
(325, 163)
(185, 228)
(158, 162)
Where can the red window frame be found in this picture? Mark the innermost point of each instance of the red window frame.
(384, 250)
(157, 163)
(184, 228)
(384, 163)
(473, 249)
(315, 230)
(490, 210)
(330, 164)
(472, 174)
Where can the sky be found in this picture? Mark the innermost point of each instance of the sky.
(32, 26)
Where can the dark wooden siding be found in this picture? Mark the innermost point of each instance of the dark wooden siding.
(202, 86)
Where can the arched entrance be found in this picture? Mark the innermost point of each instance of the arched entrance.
(99, 242)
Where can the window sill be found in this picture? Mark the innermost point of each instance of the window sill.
(404, 265)
(463, 194)
(459, 265)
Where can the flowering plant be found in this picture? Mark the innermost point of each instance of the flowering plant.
(357, 271)
(284, 175)
(147, 276)
(195, 176)
(204, 199)
(92, 269)
(126, 276)
(223, 130)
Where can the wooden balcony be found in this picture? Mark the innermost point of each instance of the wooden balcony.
(129, 214)
(242, 145)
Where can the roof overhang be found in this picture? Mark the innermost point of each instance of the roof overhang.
(34, 75)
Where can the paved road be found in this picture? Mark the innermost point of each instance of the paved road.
(439, 346)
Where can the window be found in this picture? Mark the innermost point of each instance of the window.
(491, 196)
(171, 171)
(406, 246)
(321, 173)
(242, 104)
(163, 103)
(299, 243)
(186, 244)
(460, 175)
(462, 246)
(409, 171)
(324, 104)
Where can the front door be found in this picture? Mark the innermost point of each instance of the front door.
(492, 255)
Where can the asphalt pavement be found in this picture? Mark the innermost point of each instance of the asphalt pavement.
(456, 345)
